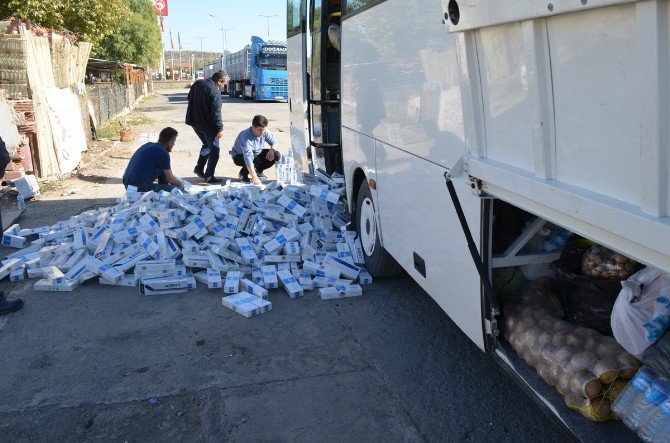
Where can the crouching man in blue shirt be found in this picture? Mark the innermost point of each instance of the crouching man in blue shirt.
(248, 151)
(151, 162)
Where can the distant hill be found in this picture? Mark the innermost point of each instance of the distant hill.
(186, 56)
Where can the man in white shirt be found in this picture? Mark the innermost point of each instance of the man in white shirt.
(249, 152)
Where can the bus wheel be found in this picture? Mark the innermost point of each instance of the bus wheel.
(378, 261)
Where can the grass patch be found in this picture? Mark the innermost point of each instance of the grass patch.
(111, 128)
(51, 186)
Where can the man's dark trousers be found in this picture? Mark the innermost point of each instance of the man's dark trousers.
(209, 153)
(260, 162)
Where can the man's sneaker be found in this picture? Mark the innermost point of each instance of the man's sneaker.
(212, 180)
(261, 175)
(7, 306)
(245, 178)
(199, 171)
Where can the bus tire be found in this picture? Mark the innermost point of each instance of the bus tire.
(378, 262)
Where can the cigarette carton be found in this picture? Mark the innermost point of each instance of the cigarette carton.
(257, 276)
(127, 280)
(66, 286)
(213, 279)
(324, 194)
(53, 275)
(292, 248)
(152, 286)
(269, 277)
(253, 288)
(247, 252)
(364, 277)
(197, 260)
(290, 284)
(246, 304)
(13, 230)
(332, 261)
(13, 241)
(355, 247)
(232, 283)
(319, 271)
(292, 206)
(103, 269)
(149, 245)
(11, 265)
(18, 274)
(146, 269)
(340, 292)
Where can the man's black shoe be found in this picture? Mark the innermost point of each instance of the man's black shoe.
(212, 180)
(261, 175)
(7, 307)
(245, 178)
(200, 172)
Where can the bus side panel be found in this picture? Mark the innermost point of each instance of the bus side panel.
(418, 217)
(360, 153)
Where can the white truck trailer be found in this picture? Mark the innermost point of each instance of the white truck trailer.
(468, 116)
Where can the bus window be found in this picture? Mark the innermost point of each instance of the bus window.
(293, 16)
(355, 5)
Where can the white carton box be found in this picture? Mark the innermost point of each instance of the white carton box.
(318, 270)
(292, 248)
(340, 292)
(155, 286)
(53, 275)
(13, 241)
(290, 284)
(13, 230)
(344, 253)
(355, 247)
(213, 279)
(127, 280)
(197, 260)
(232, 283)
(12, 265)
(246, 304)
(269, 276)
(253, 288)
(246, 251)
(292, 206)
(305, 280)
(364, 277)
(148, 244)
(155, 268)
(257, 276)
(18, 274)
(347, 270)
(324, 194)
(103, 269)
(66, 286)
(27, 186)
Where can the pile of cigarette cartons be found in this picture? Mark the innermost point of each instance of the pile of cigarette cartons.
(242, 240)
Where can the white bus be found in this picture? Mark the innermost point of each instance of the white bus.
(531, 112)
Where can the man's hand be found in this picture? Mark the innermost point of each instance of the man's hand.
(219, 134)
(255, 180)
(270, 156)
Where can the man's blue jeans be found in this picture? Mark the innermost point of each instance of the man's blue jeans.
(209, 153)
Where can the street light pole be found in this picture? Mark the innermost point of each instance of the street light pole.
(225, 46)
(223, 38)
(268, 17)
(202, 55)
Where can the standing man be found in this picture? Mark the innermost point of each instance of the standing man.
(151, 162)
(6, 306)
(248, 151)
(204, 115)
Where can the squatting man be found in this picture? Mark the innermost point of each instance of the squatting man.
(249, 152)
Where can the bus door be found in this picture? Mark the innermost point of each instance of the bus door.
(297, 66)
(324, 85)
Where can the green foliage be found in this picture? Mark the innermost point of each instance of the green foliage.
(91, 20)
(138, 39)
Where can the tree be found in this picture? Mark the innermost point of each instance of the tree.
(138, 39)
(91, 20)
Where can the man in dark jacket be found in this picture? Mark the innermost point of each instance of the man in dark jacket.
(204, 115)
(6, 306)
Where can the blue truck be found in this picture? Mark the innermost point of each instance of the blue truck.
(258, 71)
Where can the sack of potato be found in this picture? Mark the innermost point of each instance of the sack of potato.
(588, 368)
(600, 262)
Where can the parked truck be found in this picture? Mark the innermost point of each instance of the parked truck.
(258, 71)
(465, 128)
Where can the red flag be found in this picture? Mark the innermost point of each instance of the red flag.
(160, 7)
(171, 42)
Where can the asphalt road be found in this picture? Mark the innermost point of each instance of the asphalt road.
(388, 366)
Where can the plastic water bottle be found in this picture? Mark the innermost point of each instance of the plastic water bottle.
(631, 402)
(657, 427)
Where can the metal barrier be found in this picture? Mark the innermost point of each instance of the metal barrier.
(109, 99)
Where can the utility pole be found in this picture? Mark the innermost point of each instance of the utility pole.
(202, 54)
(268, 17)
(225, 47)
(193, 66)
(223, 38)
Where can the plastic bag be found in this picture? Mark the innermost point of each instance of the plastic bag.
(589, 369)
(600, 262)
(657, 356)
(588, 301)
(642, 311)
(549, 238)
